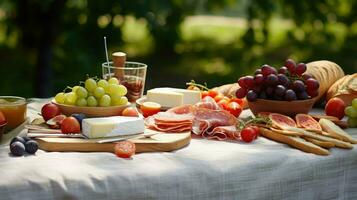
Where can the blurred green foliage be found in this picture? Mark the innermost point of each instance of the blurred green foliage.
(46, 45)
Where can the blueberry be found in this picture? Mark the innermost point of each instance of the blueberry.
(31, 146)
(17, 139)
(17, 148)
(26, 139)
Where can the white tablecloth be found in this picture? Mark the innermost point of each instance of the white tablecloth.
(205, 169)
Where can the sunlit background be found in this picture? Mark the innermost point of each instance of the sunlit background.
(47, 45)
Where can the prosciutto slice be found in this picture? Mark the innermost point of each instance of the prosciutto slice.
(208, 123)
(208, 103)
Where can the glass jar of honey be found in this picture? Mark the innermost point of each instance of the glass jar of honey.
(14, 109)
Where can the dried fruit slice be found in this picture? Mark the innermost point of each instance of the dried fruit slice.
(281, 121)
(55, 122)
(307, 122)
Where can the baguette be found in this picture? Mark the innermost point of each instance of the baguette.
(323, 144)
(321, 132)
(286, 132)
(296, 142)
(331, 128)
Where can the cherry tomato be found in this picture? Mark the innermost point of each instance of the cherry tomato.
(130, 112)
(150, 108)
(234, 108)
(192, 87)
(227, 98)
(335, 107)
(256, 129)
(204, 94)
(212, 93)
(70, 125)
(223, 104)
(124, 149)
(248, 134)
(237, 100)
(218, 97)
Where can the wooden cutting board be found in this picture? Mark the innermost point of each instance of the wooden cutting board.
(161, 142)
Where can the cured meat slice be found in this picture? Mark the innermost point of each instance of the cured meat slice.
(208, 103)
(219, 117)
(178, 119)
(172, 129)
(169, 127)
(206, 119)
(172, 117)
(184, 109)
(223, 132)
(172, 123)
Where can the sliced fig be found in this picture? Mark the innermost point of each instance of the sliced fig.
(55, 123)
(281, 121)
(307, 122)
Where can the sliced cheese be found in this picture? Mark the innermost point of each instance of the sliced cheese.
(165, 98)
(171, 97)
(112, 126)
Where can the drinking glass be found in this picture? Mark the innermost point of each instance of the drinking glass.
(132, 76)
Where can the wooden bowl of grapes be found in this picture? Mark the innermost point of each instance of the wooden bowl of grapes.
(287, 91)
(289, 108)
(91, 111)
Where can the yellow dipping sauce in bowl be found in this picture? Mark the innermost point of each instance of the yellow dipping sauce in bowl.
(14, 109)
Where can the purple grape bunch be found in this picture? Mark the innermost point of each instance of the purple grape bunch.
(288, 83)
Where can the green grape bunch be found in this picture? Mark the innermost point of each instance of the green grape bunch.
(351, 112)
(93, 92)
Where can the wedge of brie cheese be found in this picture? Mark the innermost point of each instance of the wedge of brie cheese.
(112, 126)
(171, 97)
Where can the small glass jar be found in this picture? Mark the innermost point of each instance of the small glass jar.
(14, 109)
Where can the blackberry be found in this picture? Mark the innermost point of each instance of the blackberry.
(31, 146)
(18, 139)
(17, 148)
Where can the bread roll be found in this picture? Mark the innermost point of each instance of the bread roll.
(326, 72)
(345, 88)
(228, 90)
